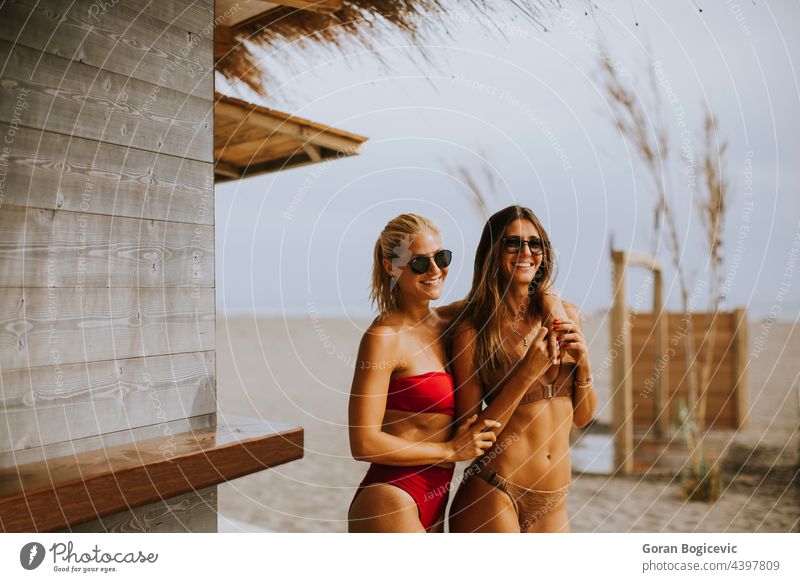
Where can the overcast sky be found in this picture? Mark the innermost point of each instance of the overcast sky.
(528, 109)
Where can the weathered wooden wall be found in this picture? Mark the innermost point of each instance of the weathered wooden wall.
(106, 222)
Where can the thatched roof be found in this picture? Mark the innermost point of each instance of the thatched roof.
(355, 24)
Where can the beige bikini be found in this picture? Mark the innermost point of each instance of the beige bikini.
(530, 504)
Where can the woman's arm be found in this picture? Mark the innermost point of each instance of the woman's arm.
(368, 442)
(469, 392)
(584, 401)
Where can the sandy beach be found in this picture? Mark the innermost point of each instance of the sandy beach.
(298, 371)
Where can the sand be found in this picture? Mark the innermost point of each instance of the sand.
(298, 371)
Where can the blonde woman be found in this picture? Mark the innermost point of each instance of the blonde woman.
(521, 484)
(402, 403)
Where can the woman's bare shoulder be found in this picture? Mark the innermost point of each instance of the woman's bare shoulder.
(451, 310)
(381, 334)
(464, 333)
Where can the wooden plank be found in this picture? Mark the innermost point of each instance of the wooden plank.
(41, 327)
(646, 319)
(227, 170)
(119, 39)
(194, 512)
(102, 105)
(327, 6)
(54, 171)
(227, 138)
(194, 15)
(621, 380)
(109, 439)
(717, 400)
(675, 352)
(277, 123)
(51, 404)
(52, 495)
(258, 151)
(313, 152)
(57, 248)
(740, 367)
(253, 17)
(281, 164)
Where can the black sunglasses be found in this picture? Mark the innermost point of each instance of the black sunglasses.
(514, 244)
(420, 264)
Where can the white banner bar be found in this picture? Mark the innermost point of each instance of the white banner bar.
(399, 558)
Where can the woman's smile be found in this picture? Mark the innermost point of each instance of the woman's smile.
(435, 282)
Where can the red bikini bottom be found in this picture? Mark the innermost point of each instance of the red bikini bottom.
(428, 485)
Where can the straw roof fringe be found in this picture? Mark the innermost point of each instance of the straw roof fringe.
(361, 23)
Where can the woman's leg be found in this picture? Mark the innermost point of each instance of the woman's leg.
(555, 520)
(381, 507)
(480, 507)
(437, 527)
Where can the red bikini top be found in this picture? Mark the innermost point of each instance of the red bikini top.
(428, 392)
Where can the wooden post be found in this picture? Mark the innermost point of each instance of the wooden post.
(740, 366)
(661, 406)
(621, 379)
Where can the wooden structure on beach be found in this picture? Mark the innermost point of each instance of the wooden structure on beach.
(250, 140)
(107, 276)
(649, 372)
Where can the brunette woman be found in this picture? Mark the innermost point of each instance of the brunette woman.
(521, 484)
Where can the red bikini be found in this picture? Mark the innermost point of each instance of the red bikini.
(428, 485)
(428, 392)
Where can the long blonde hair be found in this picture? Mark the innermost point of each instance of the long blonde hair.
(485, 309)
(393, 243)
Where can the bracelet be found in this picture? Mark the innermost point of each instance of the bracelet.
(584, 384)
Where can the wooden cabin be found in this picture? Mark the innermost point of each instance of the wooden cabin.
(108, 416)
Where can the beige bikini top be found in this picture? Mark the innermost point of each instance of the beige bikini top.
(542, 391)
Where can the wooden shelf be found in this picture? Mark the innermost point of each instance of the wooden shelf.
(52, 494)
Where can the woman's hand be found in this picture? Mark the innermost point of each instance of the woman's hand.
(538, 358)
(472, 441)
(571, 340)
(552, 311)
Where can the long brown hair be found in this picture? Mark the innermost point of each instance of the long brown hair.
(485, 309)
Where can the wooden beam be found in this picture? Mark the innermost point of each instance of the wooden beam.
(227, 170)
(325, 6)
(639, 260)
(53, 494)
(313, 152)
(741, 365)
(262, 14)
(661, 402)
(621, 379)
(302, 130)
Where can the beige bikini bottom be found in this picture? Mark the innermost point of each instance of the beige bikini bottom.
(530, 504)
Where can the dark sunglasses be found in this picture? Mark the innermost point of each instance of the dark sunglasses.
(514, 244)
(420, 264)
